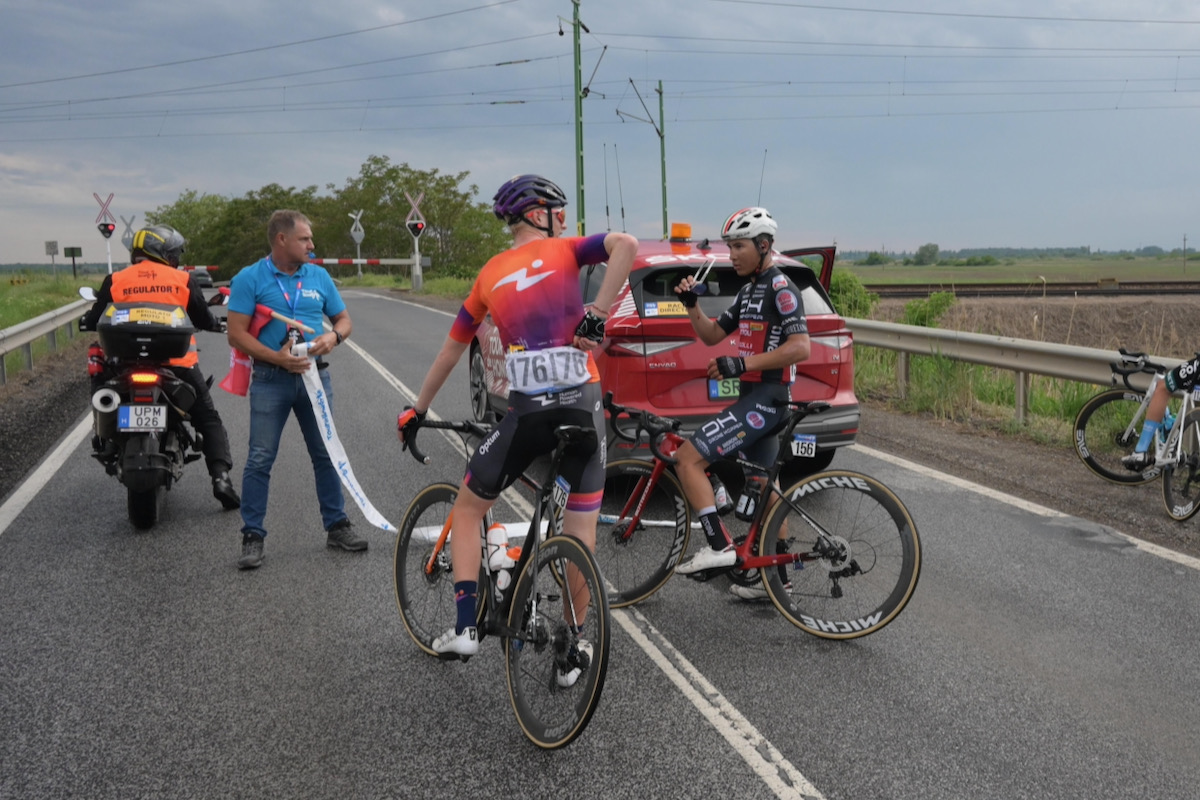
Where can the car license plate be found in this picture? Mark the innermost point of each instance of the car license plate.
(139, 417)
(724, 389)
(804, 445)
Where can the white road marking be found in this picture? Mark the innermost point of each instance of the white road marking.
(1033, 508)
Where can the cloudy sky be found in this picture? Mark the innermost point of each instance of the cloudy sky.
(875, 124)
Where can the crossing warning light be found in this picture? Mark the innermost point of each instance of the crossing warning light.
(106, 229)
(416, 227)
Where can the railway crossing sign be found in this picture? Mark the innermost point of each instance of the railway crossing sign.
(127, 236)
(415, 222)
(105, 215)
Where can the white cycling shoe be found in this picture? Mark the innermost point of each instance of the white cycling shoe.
(463, 644)
(707, 559)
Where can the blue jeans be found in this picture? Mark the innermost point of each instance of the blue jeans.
(274, 395)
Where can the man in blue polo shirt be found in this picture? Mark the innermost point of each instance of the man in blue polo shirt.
(287, 283)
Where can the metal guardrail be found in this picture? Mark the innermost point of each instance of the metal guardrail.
(1022, 356)
(23, 335)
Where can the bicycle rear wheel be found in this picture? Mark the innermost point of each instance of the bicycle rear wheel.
(1107, 429)
(637, 564)
(557, 660)
(423, 579)
(1181, 481)
(854, 580)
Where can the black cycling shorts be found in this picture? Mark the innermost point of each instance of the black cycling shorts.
(527, 432)
(749, 426)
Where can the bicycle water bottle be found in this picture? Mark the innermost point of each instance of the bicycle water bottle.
(500, 560)
(720, 495)
(1168, 420)
(745, 505)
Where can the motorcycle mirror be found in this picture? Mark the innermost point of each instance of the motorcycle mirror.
(218, 299)
(87, 293)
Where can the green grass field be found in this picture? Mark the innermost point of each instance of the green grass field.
(1033, 270)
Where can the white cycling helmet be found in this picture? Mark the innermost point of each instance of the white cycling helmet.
(749, 223)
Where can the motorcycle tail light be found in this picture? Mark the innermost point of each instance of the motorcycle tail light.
(144, 378)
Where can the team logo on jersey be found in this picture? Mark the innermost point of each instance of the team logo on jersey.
(521, 279)
(756, 420)
(786, 302)
(778, 282)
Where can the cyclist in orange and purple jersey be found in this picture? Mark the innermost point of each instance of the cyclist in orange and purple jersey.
(532, 293)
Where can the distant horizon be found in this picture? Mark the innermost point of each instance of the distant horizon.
(1147, 251)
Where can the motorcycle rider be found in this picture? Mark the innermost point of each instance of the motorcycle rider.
(153, 271)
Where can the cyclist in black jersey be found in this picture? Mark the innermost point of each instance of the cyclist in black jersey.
(772, 337)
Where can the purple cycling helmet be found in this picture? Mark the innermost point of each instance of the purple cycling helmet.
(523, 193)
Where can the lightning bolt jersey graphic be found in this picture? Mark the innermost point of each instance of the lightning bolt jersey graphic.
(521, 280)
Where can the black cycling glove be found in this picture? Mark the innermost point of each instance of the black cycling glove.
(590, 327)
(689, 298)
(731, 366)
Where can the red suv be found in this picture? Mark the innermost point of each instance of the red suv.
(652, 359)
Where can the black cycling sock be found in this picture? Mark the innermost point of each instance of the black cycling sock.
(714, 531)
(464, 601)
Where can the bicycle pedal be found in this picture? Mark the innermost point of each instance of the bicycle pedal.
(452, 657)
(706, 575)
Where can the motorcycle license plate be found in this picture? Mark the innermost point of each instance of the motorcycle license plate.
(804, 445)
(137, 418)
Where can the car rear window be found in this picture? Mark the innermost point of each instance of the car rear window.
(655, 293)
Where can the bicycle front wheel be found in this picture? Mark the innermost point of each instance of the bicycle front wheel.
(1107, 429)
(423, 572)
(1181, 480)
(860, 555)
(638, 558)
(557, 657)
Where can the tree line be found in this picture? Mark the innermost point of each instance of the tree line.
(231, 232)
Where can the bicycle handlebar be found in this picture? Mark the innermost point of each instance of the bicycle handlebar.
(1134, 364)
(656, 427)
(467, 427)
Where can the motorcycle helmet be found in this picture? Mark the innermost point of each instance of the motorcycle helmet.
(160, 243)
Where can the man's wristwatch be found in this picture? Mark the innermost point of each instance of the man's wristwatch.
(340, 338)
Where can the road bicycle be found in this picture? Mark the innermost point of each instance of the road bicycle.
(1109, 425)
(552, 619)
(837, 553)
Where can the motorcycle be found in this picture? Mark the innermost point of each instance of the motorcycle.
(139, 405)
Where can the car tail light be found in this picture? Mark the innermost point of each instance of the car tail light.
(837, 341)
(641, 348)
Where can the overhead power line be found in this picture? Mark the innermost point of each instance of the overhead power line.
(1026, 17)
(256, 49)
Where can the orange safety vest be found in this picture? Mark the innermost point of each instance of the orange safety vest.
(149, 281)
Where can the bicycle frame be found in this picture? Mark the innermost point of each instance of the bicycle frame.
(549, 494)
(748, 558)
(1169, 451)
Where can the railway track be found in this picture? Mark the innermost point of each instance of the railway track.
(1106, 287)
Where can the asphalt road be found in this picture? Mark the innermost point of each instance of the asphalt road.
(1042, 655)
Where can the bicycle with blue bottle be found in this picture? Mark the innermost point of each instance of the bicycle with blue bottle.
(1109, 425)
